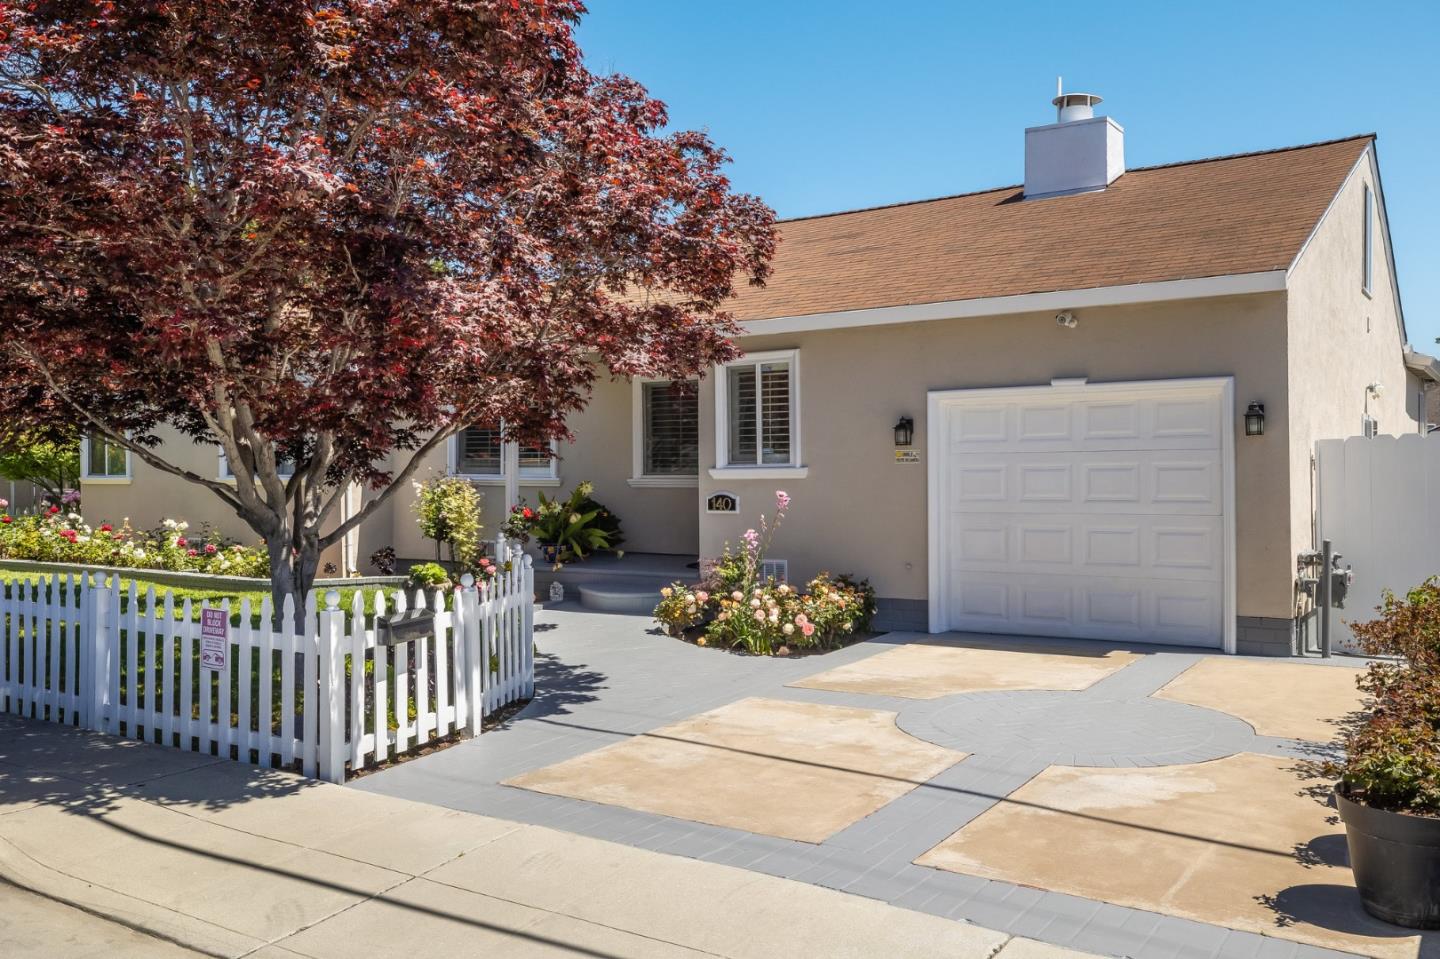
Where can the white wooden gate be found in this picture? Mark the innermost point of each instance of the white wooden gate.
(76, 650)
(1378, 502)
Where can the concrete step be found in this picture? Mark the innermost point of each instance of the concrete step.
(635, 599)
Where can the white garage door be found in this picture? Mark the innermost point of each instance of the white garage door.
(1094, 511)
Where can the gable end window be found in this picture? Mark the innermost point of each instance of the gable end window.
(102, 459)
(757, 407)
(477, 452)
(1367, 274)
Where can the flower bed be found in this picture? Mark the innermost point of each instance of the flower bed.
(58, 537)
(735, 607)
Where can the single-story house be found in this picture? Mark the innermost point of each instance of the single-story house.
(1113, 380)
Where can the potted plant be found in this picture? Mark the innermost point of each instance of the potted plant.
(565, 529)
(1389, 790)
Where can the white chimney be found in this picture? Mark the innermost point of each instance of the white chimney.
(1078, 153)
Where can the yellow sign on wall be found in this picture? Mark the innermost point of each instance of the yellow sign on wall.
(907, 456)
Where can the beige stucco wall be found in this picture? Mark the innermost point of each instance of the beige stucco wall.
(858, 511)
(1341, 340)
(663, 520)
(152, 495)
(653, 520)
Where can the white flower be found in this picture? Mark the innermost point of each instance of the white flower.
(755, 603)
(788, 629)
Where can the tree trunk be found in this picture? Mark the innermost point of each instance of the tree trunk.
(292, 572)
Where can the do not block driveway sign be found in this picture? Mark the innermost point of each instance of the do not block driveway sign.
(214, 638)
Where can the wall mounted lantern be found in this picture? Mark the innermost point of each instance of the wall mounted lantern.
(904, 431)
(1255, 420)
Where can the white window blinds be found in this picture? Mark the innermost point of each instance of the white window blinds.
(671, 422)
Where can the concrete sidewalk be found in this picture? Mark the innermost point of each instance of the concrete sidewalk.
(109, 848)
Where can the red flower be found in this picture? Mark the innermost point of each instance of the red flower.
(5, 518)
(54, 510)
(106, 527)
(528, 513)
(180, 541)
(191, 552)
(210, 548)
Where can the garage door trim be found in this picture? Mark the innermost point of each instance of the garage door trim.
(938, 479)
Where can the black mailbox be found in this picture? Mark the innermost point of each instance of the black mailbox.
(404, 627)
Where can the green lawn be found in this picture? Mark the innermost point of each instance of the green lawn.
(196, 596)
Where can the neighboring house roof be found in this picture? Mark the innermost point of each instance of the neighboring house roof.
(1249, 213)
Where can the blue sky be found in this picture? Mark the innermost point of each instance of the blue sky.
(835, 105)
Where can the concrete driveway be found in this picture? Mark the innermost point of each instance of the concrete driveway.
(1123, 801)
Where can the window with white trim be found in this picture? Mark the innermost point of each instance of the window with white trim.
(1367, 275)
(284, 469)
(669, 428)
(103, 459)
(478, 452)
(757, 411)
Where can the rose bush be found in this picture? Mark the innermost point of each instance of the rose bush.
(741, 609)
(55, 536)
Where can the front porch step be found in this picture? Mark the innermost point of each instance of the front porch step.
(630, 584)
(633, 599)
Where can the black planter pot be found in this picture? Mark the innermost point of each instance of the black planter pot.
(1396, 861)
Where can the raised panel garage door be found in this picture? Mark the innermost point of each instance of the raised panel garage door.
(1091, 511)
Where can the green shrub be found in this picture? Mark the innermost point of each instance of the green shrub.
(578, 524)
(429, 576)
(448, 511)
(1393, 758)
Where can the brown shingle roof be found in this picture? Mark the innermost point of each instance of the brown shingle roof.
(1239, 214)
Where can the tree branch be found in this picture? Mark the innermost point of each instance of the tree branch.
(334, 536)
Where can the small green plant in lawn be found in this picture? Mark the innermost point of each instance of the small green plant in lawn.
(429, 576)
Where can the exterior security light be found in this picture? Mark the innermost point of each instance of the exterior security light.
(904, 431)
(1255, 420)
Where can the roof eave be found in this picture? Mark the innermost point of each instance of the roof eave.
(1234, 284)
(1422, 365)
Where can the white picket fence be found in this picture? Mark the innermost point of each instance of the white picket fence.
(76, 650)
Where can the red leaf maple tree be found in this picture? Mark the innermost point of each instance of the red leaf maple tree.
(332, 233)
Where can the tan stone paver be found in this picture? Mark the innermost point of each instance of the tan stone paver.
(795, 770)
(923, 671)
(1286, 699)
(1235, 842)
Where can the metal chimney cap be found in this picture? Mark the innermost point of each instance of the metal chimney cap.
(1076, 100)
